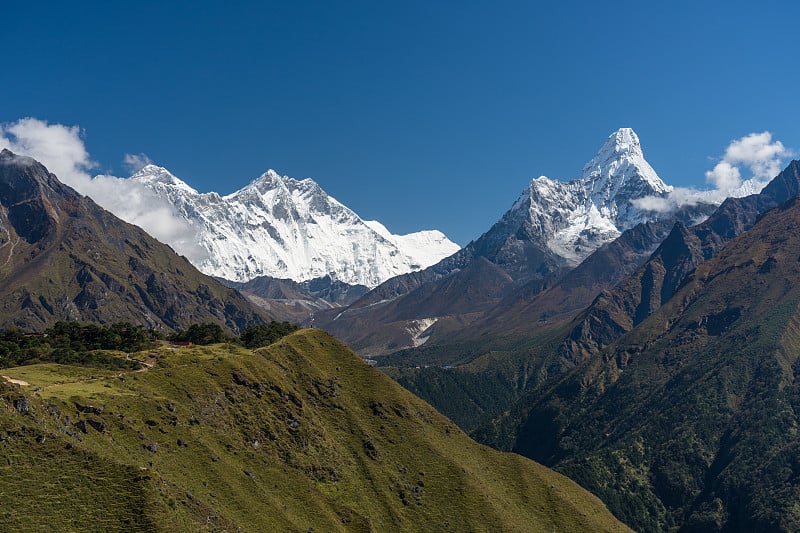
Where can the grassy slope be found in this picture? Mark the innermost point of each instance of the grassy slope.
(298, 435)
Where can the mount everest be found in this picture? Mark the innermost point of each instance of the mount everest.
(285, 228)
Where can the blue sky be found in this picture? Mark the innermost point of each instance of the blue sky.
(418, 114)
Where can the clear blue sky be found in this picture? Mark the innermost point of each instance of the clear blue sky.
(420, 114)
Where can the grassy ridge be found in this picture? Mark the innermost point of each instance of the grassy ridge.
(297, 435)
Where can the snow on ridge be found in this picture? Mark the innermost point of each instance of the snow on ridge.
(417, 329)
(575, 218)
(423, 247)
(150, 174)
(281, 227)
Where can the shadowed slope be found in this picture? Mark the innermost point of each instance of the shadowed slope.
(62, 257)
(634, 299)
(689, 421)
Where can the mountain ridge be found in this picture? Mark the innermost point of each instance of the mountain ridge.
(695, 406)
(297, 436)
(641, 294)
(281, 227)
(66, 258)
(528, 340)
(549, 229)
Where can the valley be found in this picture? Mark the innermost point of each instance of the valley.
(647, 356)
(411, 267)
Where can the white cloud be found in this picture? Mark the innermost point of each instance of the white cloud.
(755, 153)
(135, 162)
(679, 196)
(724, 176)
(659, 204)
(61, 149)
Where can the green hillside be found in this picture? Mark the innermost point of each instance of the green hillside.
(296, 436)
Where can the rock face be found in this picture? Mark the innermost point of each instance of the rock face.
(291, 229)
(297, 302)
(694, 407)
(62, 257)
(654, 283)
(551, 228)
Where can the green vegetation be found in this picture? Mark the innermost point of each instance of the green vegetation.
(75, 343)
(297, 435)
(473, 383)
(202, 334)
(690, 421)
(256, 336)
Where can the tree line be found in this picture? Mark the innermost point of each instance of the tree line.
(253, 336)
(87, 344)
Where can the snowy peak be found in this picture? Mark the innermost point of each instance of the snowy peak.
(424, 248)
(281, 227)
(285, 198)
(270, 181)
(153, 175)
(575, 218)
(624, 142)
(620, 169)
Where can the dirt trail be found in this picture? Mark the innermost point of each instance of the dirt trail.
(16, 381)
(8, 241)
(145, 366)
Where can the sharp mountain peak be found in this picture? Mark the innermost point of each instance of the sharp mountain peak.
(154, 174)
(286, 228)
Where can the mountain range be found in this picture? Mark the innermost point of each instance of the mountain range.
(650, 354)
(533, 337)
(291, 229)
(671, 393)
(551, 228)
(686, 417)
(62, 257)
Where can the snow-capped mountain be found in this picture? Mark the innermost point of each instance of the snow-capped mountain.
(554, 225)
(286, 228)
(551, 228)
(575, 218)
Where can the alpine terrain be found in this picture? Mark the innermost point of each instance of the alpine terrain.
(297, 436)
(291, 229)
(686, 418)
(529, 341)
(551, 228)
(62, 257)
